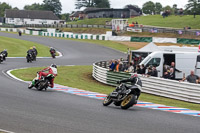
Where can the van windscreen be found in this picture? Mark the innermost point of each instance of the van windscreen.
(154, 62)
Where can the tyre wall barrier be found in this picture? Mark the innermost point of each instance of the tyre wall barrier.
(152, 85)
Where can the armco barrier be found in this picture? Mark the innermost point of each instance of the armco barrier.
(157, 86)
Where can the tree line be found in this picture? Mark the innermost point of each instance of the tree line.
(149, 7)
(192, 7)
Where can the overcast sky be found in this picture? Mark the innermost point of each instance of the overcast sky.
(68, 5)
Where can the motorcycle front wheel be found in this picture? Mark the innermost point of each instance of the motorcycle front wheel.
(107, 101)
(128, 101)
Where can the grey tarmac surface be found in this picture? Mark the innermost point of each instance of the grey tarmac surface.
(30, 111)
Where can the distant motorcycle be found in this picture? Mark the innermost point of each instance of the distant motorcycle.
(2, 56)
(42, 84)
(29, 57)
(124, 96)
(20, 33)
(34, 56)
(53, 54)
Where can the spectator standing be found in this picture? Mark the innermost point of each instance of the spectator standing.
(192, 78)
(130, 68)
(149, 72)
(143, 69)
(138, 70)
(121, 65)
(174, 70)
(166, 75)
(112, 66)
(154, 72)
(171, 73)
(116, 66)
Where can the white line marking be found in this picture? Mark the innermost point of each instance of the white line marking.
(1, 130)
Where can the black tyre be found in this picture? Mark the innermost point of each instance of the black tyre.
(128, 102)
(42, 85)
(107, 101)
(117, 103)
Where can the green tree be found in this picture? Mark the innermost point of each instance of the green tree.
(102, 3)
(167, 8)
(53, 5)
(148, 8)
(65, 16)
(193, 6)
(35, 6)
(174, 9)
(15, 8)
(92, 3)
(3, 7)
(158, 7)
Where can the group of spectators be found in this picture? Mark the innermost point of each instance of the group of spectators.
(123, 66)
(169, 70)
(166, 13)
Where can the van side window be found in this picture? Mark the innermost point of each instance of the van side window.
(154, 62)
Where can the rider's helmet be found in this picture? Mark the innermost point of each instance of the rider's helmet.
(5, 50)
(53, 65)
(31, 47)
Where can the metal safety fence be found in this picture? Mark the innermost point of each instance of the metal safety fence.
(152, 85)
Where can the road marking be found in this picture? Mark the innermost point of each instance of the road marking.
(5, 131)
(99, 96)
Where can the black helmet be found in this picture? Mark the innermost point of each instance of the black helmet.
(53, 65)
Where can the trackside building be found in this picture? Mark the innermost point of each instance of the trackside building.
(22, 17)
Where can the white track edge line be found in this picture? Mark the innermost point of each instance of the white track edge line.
(1, 130)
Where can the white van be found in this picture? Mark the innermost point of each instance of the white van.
(184, 61)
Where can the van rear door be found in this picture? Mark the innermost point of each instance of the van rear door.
(185, 62)
(197, 67)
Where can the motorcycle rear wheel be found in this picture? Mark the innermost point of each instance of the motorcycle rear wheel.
(42, 85)
(107, 101)
(128, 102)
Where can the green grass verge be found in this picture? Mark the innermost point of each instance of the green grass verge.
(154, 20)
(94, 21)
(171, 21)
(86, 30)
(81, 77)
(18, 48)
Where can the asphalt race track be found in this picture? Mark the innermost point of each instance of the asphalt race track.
(29, 111)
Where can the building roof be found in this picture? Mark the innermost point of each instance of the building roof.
(92, 9)
(76, 14)
(31, 14)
